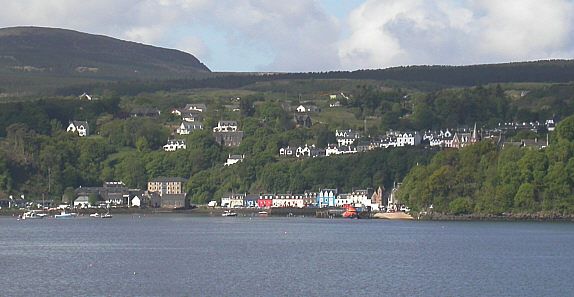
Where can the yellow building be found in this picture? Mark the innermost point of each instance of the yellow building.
(166, 185)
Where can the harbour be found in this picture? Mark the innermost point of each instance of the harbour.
(185, 255)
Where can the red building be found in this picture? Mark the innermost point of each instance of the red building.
(265, 201)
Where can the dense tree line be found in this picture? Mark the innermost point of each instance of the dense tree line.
(556, 71)
(483, 179)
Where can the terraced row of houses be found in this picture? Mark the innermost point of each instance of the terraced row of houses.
(351, 142)
(367, 198)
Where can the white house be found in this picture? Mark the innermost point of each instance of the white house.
(301, 108)
(332, 150)
(346, 137)
(335, 104)
(136, 201)
(80, 127)
(196, 107)
(187, 127)
(225, 126)
(233, 200)
(550, 125)
(304, 151)
(82, 202)
(86, 96)
(174, 145)
(288, 151)
(363, 198)
(408, 139)
(289, 200)
(347, 149)
(191, 117)
(233, 159)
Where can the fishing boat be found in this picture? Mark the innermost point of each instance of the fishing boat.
(351, 213)
(263, 213)
(229, 213)
(65, 215)
(106, 216)
(32, 215)
(95, 215)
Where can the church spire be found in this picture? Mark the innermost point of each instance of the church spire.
(474, 134)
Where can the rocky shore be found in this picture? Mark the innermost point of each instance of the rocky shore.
(539, 216)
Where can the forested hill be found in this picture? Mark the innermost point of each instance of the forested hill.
(538, 71)
(36, 51)
(433, 77)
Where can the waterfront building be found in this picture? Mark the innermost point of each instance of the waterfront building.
(265, 200)
(233, 200)
(327, 198)
(169, 190)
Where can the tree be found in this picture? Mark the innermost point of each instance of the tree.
(246, 106)
(69, 195)
(131, 171)
(525, 199)
(565, 129)
(461, 205)
(93, 199)
(325, 136)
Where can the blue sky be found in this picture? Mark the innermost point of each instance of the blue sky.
(320, 35)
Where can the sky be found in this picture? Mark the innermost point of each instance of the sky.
(320, 35)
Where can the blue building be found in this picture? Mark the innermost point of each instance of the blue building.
(327, 198)
(250, 200)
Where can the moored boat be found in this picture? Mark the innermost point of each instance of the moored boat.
(32, 215)
(351, 213)
(65, 215)
(263, 213)
(229, 213)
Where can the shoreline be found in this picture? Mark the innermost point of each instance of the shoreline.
(510, 217)
(312, 212)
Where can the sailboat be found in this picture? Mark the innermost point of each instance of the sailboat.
(106, 215)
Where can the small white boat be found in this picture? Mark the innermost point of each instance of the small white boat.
(106, 216)
(95, 215)
(263, 213)
(32, 215)
(229, 213)
(64, 215)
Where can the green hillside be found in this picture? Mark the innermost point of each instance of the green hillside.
(40, 55)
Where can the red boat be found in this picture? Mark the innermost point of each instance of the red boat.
(351, 212)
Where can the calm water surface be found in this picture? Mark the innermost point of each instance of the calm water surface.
(178, 255)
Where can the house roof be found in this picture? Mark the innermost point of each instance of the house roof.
(79, 123)
(192, 125)
(176, 141)
(227, 123)
(167, 179)
(195, 106)
(82, 199)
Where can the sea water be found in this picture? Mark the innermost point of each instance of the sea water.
(182, 255)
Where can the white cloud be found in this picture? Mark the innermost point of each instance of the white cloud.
(299, 35)
(525, 29)
(402, 32)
